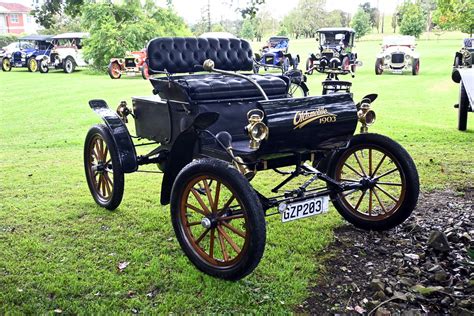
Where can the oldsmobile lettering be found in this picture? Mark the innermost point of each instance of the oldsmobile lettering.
(303, 118)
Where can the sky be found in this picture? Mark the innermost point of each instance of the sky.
(190, 10)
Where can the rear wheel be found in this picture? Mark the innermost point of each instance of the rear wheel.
(463, 107)
(115, 71)
(309, 66)
(218, 219)
(378, 66)
(102, 166)
(389, 178)
(145, 74)
(32, 64)
(68, 65)
(415, 67)
(6, 64)
(297, 90)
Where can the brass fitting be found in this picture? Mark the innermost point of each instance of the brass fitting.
(256, 129)
(366, 117)
(123, 111)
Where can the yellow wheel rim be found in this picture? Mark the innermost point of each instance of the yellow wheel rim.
(6, 63)
(33, 65)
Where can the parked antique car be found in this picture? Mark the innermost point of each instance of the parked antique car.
(465, 56)
(213, 132)
(335, 51)
(10, 48)
(133, 63)
(398, 54)
(30, 46)
(465, 78)
(275, 54)
(66, 54)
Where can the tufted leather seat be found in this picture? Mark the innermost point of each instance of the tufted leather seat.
(187, 54)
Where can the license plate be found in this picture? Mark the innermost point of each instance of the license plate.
(302, 209)
(131, 74)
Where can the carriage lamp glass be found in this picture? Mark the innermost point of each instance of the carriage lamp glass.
(121, 60)
(137, 61)
(387, 57)
(318, 55)
(407, 57)
(256, 129)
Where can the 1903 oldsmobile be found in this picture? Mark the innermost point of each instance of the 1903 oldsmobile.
(216, 131)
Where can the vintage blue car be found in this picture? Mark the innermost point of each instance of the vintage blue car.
(30, 47)
(275, 55)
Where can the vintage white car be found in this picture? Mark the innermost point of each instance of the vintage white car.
(66, 54)
(398, 54)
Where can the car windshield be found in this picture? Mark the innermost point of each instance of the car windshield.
(277, 43)
(398, 41)
(468, 42)
(333, 39)
(68, 42)
(26, 45)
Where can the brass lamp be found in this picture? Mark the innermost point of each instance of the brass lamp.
(256, 129)
(366, 116)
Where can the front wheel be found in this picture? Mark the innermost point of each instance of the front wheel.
(32, 64)
(218, 219)
(43, 67)
(114, 70)
(390, 184)
(145, 74)
(379, 66)
(463, 107)
(103, 169)
(6, 64)
(415, 67)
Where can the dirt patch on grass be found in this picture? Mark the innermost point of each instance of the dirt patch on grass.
(425, 265)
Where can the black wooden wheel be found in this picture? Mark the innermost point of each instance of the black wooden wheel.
(378, 66)
(389, 177)
(218, 219)
(463, 108)
(6, 64)
(102, 166)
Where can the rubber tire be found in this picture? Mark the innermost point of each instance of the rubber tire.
(256, 219)
(309, 64)
(412, 183)
(378, 63)
(345, 63)
(29, 66)
(144, 70)
(285, 64)
(463, 108)
(109, 71)
(118, 176)
(65, 63)
(5, 68)
(43, 70)
(415, 67)
(304, 89)
(353, 68)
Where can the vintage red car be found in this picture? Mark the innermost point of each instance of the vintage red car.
(133, 63)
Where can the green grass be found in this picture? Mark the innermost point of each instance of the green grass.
(58, 250)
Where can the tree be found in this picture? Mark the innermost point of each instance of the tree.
(247, 30)
(114, 29)
(373, 13)
(413, 22)
(51, 9)
(361, 23)
(455, 15)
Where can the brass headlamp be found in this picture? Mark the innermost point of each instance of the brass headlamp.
(256, 129)
(366, 116)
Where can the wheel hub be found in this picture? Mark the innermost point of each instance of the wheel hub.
(206, 222)
(368, 183)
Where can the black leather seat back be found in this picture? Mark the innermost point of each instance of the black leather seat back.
(183, 54)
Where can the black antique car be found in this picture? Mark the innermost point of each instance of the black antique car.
(335, 51)
(465, 56)
(213, 128)
(465, 78)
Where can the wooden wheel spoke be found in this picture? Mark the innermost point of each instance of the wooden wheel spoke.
(226, 218)
(386, 173)
(349, 193)
(378, 165)
(348, 180)
(101, 148)
(234, 230)
(370, 202)
(202, 235)
(350, 167)
(194, 208)
(229, 240)
(380, 201)
(390, 183)
(216, 196)
(387, 194)
(360, 164)
(370, 161)
(211, 243)
(360, 200)
(193, 224)
(208, 193)
(224, 251)
(227, 204)
(200, 201)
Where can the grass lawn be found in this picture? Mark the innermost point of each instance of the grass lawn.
(58, 250)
